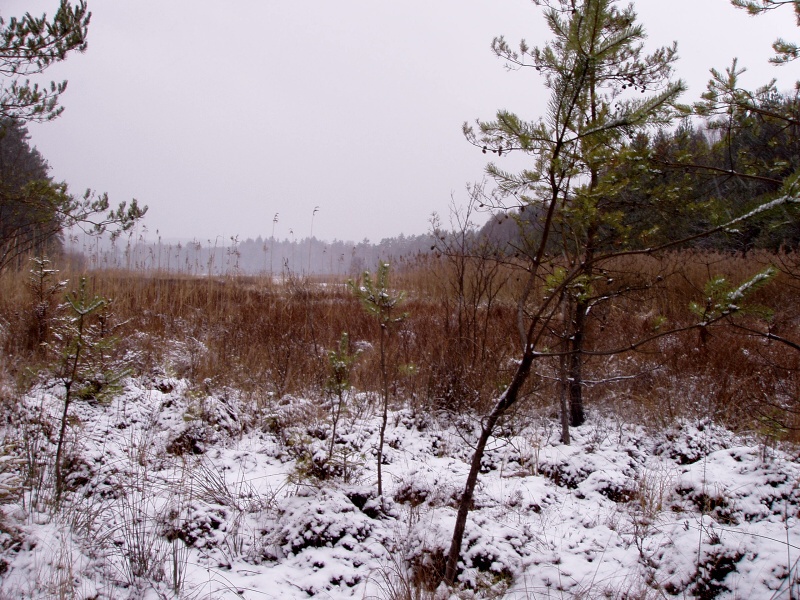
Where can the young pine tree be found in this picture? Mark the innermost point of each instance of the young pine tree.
(603, 89)
(82, 363)
(338, 385)
(381, 302)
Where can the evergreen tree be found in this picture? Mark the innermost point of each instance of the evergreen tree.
(29, 199)
(35, 210)
(28, 46)
(604, 94)
(681, 183)
(785, 51)
(381, 302)
(82, 362)
(758, 153)
(603, 89)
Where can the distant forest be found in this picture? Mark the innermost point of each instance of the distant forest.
(260, 256)
(663, 186)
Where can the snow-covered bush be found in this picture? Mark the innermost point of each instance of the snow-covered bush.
(686, 442)
(319, 519)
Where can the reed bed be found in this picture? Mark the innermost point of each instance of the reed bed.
(455, 349)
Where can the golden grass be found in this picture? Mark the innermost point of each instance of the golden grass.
(269, 339)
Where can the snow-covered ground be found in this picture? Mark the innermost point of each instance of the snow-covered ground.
(173, 492)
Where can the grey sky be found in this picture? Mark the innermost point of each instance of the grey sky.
(220, 114)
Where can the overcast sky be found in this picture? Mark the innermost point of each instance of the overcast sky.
(217, 115)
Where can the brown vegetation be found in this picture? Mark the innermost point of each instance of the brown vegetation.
(454, 351)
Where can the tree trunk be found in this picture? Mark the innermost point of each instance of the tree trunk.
(563, 371)
(579, 318)
(563, 398)
(506, 401)
(60, 444)
(466, 503)
(72, 376)
(385, 408)
(577, 416)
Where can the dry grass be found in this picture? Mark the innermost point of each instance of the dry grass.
(454, 350)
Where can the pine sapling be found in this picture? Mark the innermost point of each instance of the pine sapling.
(43, 287)
(340, 362)
(82, 340)
(379, 301)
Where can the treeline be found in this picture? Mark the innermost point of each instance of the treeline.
(667, 186)
(673, 184)
(734, 150)
(29, 219)
(260, 256)
(36, 211)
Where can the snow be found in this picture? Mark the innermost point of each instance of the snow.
(765, 207)
(173, 488)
